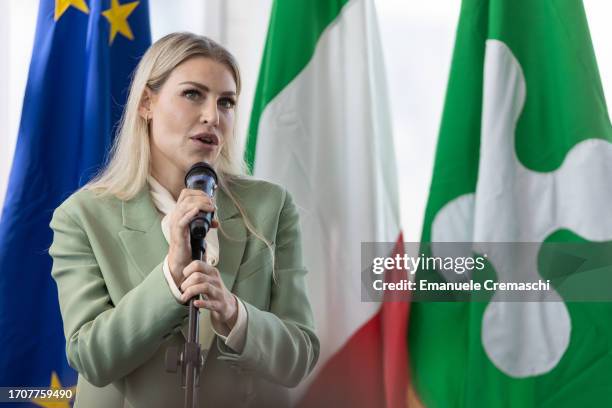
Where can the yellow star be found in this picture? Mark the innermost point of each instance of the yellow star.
(117, 17)
(62, 5)
(51, 403)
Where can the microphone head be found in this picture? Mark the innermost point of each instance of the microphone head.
(201, 176)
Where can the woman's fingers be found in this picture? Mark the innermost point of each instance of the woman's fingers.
(188, 192)
(200, 266)
(190, 196)
(212, 305)
(206, 288)
(189, 200)
(189, 203)
(204, 203)
(203, 279)
(189, 216)
(196, 278)
(186, 218)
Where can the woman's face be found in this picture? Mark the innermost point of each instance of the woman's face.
(191, 116)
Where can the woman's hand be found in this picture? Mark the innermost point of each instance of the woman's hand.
(189, 203)
(201, 278)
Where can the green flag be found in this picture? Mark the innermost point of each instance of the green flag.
(524, 155)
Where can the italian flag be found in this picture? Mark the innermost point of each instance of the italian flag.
(524, 155)
(321, 127)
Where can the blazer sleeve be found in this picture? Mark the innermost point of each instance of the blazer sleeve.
(106, 341)
(281, 344)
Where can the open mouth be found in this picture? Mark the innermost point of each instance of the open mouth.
(208, 139)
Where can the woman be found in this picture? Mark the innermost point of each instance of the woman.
(122, 260)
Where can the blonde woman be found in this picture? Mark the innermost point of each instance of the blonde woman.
(122, 261)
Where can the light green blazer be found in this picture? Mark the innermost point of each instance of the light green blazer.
(120, 315)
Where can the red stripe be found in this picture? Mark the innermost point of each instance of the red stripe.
(395, 347)
(395, 352)
(353, 377)
(371, 369)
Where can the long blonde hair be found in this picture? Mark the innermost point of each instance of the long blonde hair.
(128, 166)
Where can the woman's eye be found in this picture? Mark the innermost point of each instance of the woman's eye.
(227, 103)
(192, 94)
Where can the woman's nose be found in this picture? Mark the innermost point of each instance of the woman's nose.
(210, 113)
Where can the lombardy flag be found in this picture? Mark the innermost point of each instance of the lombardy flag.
(524, 155)
(83, 57)
(321, 127)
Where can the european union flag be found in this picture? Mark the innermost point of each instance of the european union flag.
(84, 54)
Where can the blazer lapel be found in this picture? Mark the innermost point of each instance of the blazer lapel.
(232, 239)
(143, 239)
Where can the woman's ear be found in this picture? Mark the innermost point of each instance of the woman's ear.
(144, 110)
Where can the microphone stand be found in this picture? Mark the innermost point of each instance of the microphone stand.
(191, 358)
(201, 176)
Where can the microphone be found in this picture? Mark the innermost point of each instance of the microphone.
(201, 176)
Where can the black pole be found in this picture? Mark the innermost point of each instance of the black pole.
(190, 358)
(193, 357)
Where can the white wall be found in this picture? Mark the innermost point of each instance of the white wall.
(17, 25)
(599, 13)
(417, 38)
(4, 90)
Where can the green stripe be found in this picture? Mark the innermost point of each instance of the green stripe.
(293, 33)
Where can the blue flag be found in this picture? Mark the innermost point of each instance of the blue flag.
(83, 57)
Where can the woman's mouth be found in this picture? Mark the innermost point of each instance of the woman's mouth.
(208, 140)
